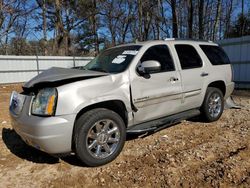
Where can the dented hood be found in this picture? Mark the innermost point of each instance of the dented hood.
(62, 75)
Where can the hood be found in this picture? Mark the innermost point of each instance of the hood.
(61, 75)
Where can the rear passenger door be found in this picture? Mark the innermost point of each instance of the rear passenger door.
(192, 75)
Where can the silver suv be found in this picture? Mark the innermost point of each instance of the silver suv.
(132, 88)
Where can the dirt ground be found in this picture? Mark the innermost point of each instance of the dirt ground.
(189, 154)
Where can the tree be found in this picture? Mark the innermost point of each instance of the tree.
(216, 20)
(12, 15)
(190, 18)
(229, 9)
(139, 5)
(43, 6)
(69, 27)
(174, 19)
(237, 30)
(201, 19)
(128, 16)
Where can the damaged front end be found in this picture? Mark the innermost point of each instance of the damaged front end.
(33, 112)
(56, 76)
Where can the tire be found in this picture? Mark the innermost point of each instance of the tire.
(99, 136)
(210, 109)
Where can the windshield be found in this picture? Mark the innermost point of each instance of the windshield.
(113, 60)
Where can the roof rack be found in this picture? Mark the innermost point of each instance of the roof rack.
(170, 39)
(198, 40)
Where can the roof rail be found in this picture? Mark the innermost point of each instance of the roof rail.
(169, 38)
(198, 40)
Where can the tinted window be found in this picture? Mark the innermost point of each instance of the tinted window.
(188, 56)
(161, 54)
(215, 54)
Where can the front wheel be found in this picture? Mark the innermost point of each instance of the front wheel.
(213, 104)
(99, 137)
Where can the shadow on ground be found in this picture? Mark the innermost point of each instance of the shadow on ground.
(19, 148)
(73, 160)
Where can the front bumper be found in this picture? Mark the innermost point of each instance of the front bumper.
(52, 135)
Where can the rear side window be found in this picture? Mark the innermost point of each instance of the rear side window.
(188, 56)
(161, 54)
(215, 54)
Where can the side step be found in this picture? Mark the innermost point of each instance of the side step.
(162, 123)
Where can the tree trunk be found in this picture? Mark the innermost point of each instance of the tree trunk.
(94, 18)
(6, 44)
(158, 19)
(44, 27)
(125, 30)
(140, 19)
(201, 17)
(174, 19)
(1, 13)
(216, 21)
(180, 20)
(190, 18)
(243, 20)
(228, 18)
(113, 37)
(206, 21)
(147, 23)
(128, 21)
(59, 29)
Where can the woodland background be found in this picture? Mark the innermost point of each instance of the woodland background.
(84, 27)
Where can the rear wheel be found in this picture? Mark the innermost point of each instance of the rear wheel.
(99, 137)
(213, 104)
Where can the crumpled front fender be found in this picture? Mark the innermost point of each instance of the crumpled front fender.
(75, 96)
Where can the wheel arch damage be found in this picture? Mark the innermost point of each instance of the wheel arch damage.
(117, 106)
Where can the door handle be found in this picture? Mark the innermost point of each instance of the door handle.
(173, 79)
(204, 74)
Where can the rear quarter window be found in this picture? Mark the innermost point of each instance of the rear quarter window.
(215, 54)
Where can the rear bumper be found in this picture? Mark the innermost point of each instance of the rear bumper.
(229, 89)
(52, 135)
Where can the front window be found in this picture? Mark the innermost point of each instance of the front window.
(161, 54)
(114, 60)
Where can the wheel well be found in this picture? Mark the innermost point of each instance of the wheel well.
(220, 85)
(114, 105)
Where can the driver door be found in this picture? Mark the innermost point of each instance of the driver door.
(158, 94)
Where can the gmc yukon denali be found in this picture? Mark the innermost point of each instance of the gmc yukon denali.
(133, 88)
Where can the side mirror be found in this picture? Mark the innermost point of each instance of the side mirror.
(149, 66)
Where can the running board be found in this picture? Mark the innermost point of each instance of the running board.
(158, 124)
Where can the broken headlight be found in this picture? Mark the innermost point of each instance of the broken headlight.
(44, 102)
